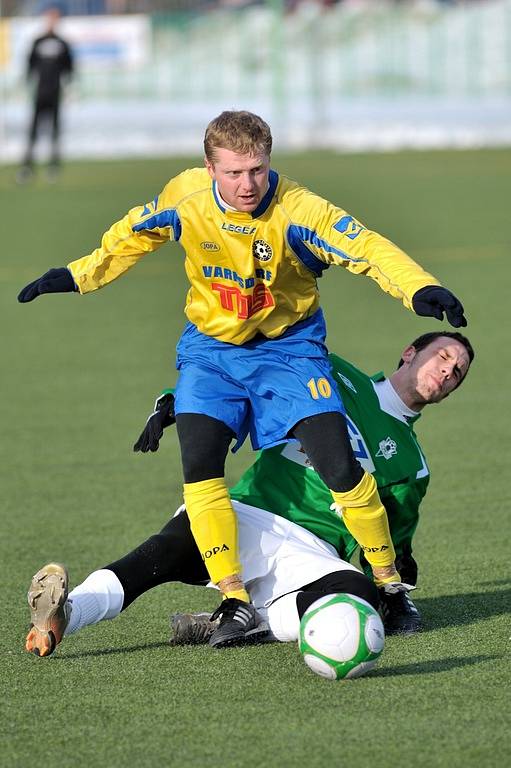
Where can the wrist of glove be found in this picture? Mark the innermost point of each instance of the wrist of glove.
(433, 301)
(162, 416)
(54, 281)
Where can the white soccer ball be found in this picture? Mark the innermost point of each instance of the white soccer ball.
(341, 636)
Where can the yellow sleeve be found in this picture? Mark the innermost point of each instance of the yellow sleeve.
(141, 231)
(332, 236)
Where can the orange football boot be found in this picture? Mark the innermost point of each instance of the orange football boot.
(49, 609)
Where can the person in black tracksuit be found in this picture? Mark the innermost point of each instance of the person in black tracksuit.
(50, 62)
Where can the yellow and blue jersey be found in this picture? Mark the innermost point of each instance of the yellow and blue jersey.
(250, 273)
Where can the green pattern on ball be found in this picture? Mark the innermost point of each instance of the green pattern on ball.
(362, 655)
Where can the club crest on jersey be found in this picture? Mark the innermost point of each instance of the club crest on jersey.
(388, 448)
(262, 250)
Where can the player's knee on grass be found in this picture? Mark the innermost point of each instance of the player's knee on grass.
(348, 582)
(204, 443)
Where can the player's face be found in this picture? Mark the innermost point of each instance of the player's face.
(52, 16)
(242, 179)
(437, 369)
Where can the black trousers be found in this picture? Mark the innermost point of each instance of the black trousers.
(45, 111)
(172, 555)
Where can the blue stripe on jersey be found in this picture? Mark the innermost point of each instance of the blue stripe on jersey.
(295, 237)
(349, 226)
(265, 202)
(167, 218)
(217, 199)
(308, 235)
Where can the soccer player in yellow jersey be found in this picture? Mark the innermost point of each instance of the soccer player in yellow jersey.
(252, 358)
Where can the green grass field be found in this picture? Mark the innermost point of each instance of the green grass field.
(79, 376)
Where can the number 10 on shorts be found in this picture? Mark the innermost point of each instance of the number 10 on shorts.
(319, 388)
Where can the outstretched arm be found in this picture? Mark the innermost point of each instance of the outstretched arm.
(321, 231)
(142, 230)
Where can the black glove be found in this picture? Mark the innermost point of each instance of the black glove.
(162, 416)
(54, 281)
(433, 301)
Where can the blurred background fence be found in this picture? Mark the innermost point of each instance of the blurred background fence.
(342, 75)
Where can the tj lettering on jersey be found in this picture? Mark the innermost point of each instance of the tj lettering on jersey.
(244, 304)
(232, 299)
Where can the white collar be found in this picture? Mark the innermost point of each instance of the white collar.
(222, 201)
(391, 403)
(226, 205)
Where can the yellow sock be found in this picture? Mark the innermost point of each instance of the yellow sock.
(366, 519)
(380, 580)
(239, 594)
(215, 529)
(232, 586)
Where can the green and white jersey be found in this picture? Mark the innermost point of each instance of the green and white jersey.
(380, 426)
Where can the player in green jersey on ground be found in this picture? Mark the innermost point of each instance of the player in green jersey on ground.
(381, 414)
(278, 492)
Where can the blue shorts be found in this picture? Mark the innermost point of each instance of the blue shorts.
(262, 388)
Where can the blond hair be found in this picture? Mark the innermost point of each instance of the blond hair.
(241, 132)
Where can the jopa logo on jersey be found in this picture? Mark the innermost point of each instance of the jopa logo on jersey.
(208, 245)
(262, 250)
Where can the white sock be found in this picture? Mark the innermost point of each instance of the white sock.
(284, 619)
(99, 597)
